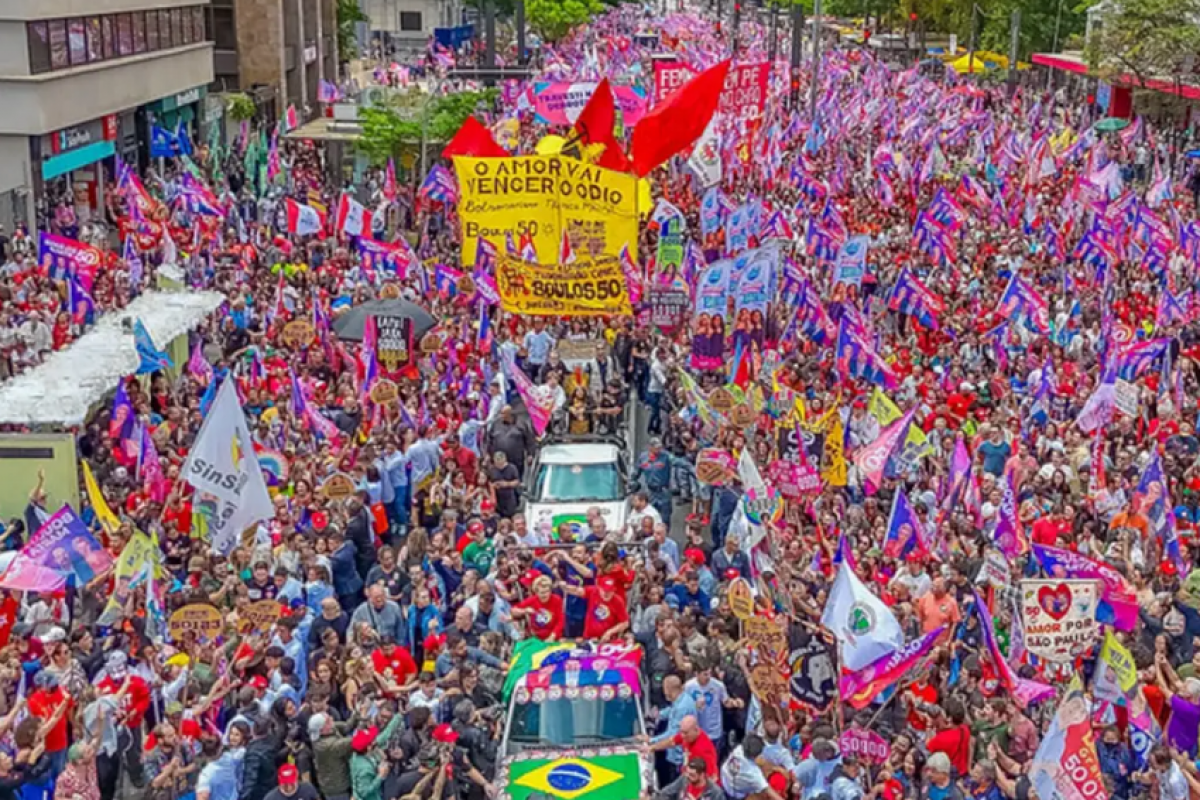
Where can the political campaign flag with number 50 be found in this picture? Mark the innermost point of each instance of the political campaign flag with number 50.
(1065, 766)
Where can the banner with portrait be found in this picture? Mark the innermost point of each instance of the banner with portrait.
(579, 289)
(709, 323)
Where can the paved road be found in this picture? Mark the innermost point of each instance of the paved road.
(639, 417)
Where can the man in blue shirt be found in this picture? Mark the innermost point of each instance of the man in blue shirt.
(995, 452)
(680, 706)
(654, 470)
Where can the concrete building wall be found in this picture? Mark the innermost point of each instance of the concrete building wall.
(39, 104)
(261, 58)
(14, 48)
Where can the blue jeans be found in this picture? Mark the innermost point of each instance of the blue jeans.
(398, 511)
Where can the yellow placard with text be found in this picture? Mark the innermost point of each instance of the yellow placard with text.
(580, 289)
(540, 197)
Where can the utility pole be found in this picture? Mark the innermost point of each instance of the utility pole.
(737, 21)
(974, 39)
(522, 56)
(1014, 47)
(797, 51)
(1054, 46)
(816, 62)
(489, 33)
(774, 48)
(718, 11)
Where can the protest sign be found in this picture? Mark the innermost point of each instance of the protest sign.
(721, 400)
(561, 103)
(767, 636)
(741, 598)
(669, 76)
(742, 415)
(338, 486)
(1059, 617)
(581, 289)
(64, 544)
(1065, 765)
(714, 467)
(540, 198)
(200, 619)
(394, 341)
(580, 350)
(745, 92)
(814, 679)
(709, 322)
(994, 571)
(668, 307)
(384, 392)
(851, 263)
(768, 683)
(1125, 395)
(259, 617)
(61, 256)
(298, 333)
(793, 480)
(867, 745)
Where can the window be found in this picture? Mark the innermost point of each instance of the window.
(410, 21)
(165, 34)
(109, 25)
(39, 48)
(181, 35)
(222, 32)
(124, 34)
(139, 32)
(151, 31)
(77, 41)
(59, 57)
(95, 39)
(198, 24)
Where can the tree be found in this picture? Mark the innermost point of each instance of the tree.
(387, 129)
(553, 19)
(348, 14)
(1146, 39)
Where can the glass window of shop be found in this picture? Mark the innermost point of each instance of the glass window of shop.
(58, 44)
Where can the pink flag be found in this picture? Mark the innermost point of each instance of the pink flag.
(539, 404)
(872, 459)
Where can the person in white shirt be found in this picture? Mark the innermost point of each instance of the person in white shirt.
(639, 509)
(914, 578)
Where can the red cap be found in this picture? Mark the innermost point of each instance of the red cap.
(1167, 567)
(913, 557)
(606, 583)
(732, 573)
(487, 505)
(475, 527)
(288, 774)
(363, 740)
(258, 682)
(320, 520)
(434, 641)
(445, 734)
(529, 576)
(779, 782)
(694, 555)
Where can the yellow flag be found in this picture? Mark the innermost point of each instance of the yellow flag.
(834, 473)
(1116, 673)
(107, 518)
(882, 408)
(916, 443)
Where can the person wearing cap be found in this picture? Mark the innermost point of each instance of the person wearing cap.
(332, 745)
(291, 787)
(606, 616)
(693, 784)
(368, 765)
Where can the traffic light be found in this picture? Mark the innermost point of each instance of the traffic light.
(866, 37)
(912, 17)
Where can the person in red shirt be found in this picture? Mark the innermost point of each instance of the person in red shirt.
(606, 615)
(696, 744)
(954, 738)
(393, 661)
(543, 611)
(134, 695)
(1047, 529)
(50, 703)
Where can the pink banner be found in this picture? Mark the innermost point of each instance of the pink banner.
(561, 103)
(867, 745)
(25, 575)
(794, 481)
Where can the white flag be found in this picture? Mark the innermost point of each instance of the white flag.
(353, 219)
(705, 161)
(865, 626)
(223, 467)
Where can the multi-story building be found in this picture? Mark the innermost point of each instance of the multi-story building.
(276, 51)
(82, 82)
(405, 26)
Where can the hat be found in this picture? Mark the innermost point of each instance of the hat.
(116, 663)
(258, 682)
(363, 740)
(288, 774)
(475, 527)
(913, 557)
(316, 724)
(487, 505)
(732, 573)
(197, 564)
(695, 555)
(54, 635)
(320, 520)
(445, 734)
(46, 680)
(1166, 567)
(939, 762)
(529, 576)
(433, 641)
(606, 583)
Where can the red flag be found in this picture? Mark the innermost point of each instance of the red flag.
(674, 125)
(389, 181)
(352, 218)
(473, 139)
(595, 126)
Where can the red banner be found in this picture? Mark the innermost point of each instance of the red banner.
(669, 76)
(745, 93)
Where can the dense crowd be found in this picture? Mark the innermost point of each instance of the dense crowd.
(1006, 392)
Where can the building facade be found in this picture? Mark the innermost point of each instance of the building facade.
(83, 82)
(276, 51)
(405, 26)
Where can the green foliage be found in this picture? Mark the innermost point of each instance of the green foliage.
(240, 107)
(348, 13)
(553, 19)
(1146, 39)
(386, 129)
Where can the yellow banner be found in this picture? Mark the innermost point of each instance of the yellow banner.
(575, 290)
(107, 518)
(134, 567)
(540, 197)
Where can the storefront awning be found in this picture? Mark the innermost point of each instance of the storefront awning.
(1069, 62)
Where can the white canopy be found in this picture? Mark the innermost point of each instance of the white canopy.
(61, 390)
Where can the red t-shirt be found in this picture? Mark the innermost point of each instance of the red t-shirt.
(701, 748)
(42, 705)
(400, 662)
(547, 618)
(955, 743)
(1046, 531)
(603, 615)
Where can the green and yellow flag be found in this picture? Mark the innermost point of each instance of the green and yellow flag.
(610, 777)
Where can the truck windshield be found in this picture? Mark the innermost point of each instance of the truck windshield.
(564, 721)
(578, 483)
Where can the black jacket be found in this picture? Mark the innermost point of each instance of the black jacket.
(258, 771)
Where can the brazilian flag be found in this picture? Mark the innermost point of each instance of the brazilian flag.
(616, 777)
(530, 654)
(578, 523)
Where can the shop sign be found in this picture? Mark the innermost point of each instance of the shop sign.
(310, 54)
(98, 130)
(188, 97)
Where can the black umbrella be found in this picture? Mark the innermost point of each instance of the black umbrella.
(350, 325)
